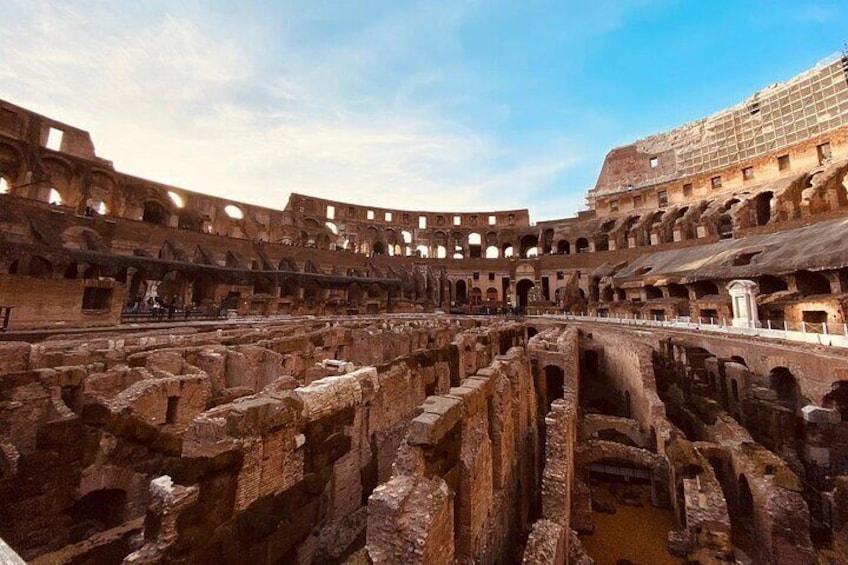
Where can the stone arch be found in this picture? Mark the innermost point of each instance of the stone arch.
(173, 284)
(10, 164)
(602, 242)
(769, 284)
(460, 291)
(548, 241)
(837, 399)
(522, 291)
(82, 238)
(581, 245)
(155, 213)
(97, 511)
(476, 296)
(563, 247)
(762, 208)
(355, 294)
(783, 382)
(677, 291)
(526, 243)
(81, 270)
(190, 220)
(704, 288)
(810, 283)
(60, 174)
(32, 266)
(652, 292)
(263, 285)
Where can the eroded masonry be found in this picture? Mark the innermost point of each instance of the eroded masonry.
(187, 379)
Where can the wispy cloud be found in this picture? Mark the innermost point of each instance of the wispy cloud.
(378, 110)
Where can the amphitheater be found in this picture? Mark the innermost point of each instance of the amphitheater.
(660, 379)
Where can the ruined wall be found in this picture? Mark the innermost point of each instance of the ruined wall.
(469, 456)
(259, 442)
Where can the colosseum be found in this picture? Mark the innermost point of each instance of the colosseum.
(662, 379)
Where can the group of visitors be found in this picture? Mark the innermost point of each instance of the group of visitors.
(159, 308)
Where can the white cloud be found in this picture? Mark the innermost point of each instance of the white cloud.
(178, 100)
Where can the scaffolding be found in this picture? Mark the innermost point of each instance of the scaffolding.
(779, 116)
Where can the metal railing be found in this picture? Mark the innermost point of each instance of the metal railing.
(829, 334)
(164, 315)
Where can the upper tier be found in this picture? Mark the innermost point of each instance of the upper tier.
(811, 104)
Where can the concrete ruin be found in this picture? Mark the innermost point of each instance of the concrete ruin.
(186, 379)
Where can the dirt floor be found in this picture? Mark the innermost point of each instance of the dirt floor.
(637, 532)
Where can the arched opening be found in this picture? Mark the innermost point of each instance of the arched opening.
(95, 206)
(233, 212)
(355, 294)
(532, 252)
(770, 284)
(527, 243)
(783, 382)
(154, 213)
(474, 246)
(837, 399)
(492, 252)
(97, 511)
(582, 245)
(190, 220)
(54, 197)
(491, 294)
(4, 186)
(379, 248)
(677, 291)
(461, 292)
(476, 296)
(652, 292)
(508, 250)
(173, 284)
(78, 270)
(176, 199)
(548, 241)
(32, 266)
(739, 359)
(441, 252)
(724, 227)
(563, 247)
(602, 242)
(810, 283)
(704, 288)
(202, 289)
(288, 287)
(263, 285)
(522, 290)
(762, 207)
(421, 251)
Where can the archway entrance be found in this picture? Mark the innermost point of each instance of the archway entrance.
(461, 292)
(522, 289)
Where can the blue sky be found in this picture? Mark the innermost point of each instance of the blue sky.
(435, 105)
